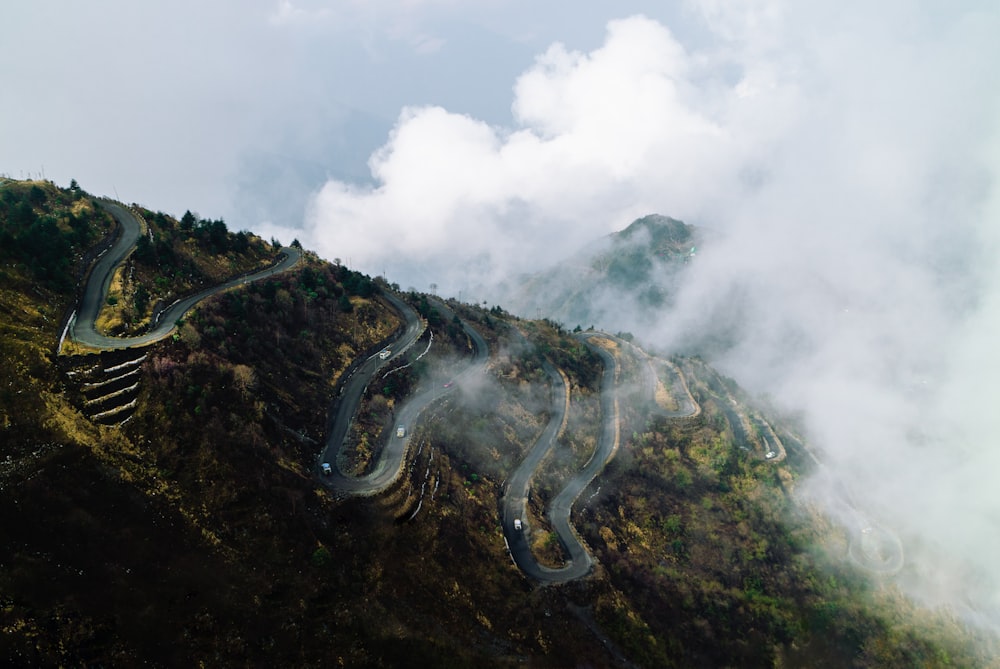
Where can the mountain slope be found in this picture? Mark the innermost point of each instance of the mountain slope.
(196, 532)
(642, 264)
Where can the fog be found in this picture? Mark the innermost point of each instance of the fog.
(847, 158)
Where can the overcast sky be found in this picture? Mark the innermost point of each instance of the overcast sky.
(847, 153)
(243, 109)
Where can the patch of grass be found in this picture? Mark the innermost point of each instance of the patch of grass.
(110, 319)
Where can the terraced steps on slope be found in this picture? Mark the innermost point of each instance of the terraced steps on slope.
(105, 386)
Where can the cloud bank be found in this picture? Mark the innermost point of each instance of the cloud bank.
(596, 140)
(849, 157)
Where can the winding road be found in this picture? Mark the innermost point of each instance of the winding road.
(580, 561)
(389, 464)
(512, 506)
(874, 547)
(387, 467)
(82, 326)
(82, 329)
(515, 498)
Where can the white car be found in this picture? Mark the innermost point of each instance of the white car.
(400, 431)
(327, 469)
(770, 454)
(517, 524)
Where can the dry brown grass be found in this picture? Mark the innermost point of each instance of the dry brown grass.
(546, 548)
(70, 347)
(110, 317)
(664, 398)
(605, 343)
(82, 207)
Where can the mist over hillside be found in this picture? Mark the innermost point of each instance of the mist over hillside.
(851, 173)
(869, 349)
(617, 282)
(307, 464)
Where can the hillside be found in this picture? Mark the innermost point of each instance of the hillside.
(198, 529)
(642, 265)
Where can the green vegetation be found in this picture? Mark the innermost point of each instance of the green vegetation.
(43, 228)
(236, 354)
(565, 351)
(46, 240)
(197, 534)
(173, 259)
(709, 559)
(637, 249)
(638, 269)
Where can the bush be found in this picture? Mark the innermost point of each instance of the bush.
(321, 557)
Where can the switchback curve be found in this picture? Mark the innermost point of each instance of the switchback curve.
(82, 327)
(389, 464)
(580, 562)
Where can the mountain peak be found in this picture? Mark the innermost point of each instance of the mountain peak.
(665, 233)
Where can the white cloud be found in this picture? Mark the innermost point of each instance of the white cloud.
(424, 44)
(290, 13)
(595, 133)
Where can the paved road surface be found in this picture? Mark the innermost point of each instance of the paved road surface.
(82, 328)
(513, 504)
(390, 461)
(580, 562)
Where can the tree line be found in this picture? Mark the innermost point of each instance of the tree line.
(42, 228)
